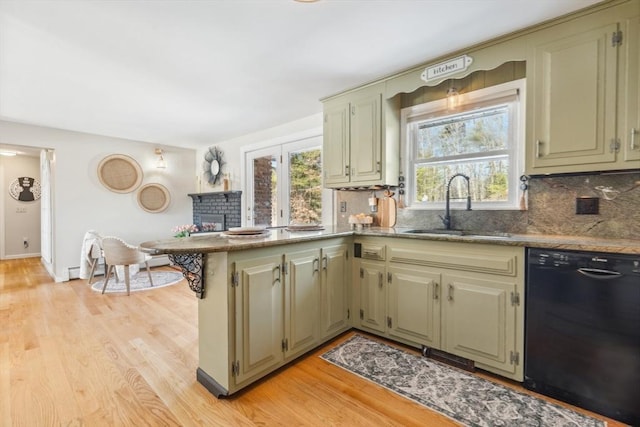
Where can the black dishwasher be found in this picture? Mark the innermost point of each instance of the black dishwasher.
(582, 330)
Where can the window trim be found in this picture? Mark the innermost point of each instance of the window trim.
(509, 92)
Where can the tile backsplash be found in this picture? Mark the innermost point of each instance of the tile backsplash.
(551, 209)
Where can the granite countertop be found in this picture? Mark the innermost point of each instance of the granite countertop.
(217, 242)
(279, 236)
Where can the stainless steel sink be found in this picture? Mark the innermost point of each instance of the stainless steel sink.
(458, 232)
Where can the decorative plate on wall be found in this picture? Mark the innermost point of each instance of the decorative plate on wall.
(120, 173)
(154, 198)
(25, 189)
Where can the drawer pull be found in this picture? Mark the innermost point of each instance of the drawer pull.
(277, 279)
(435, 290)
(450, 294)
(316, 265)
(538, 144)
(380, 280)
(634, 131)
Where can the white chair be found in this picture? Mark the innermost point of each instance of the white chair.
(118, 252)
(91, 254)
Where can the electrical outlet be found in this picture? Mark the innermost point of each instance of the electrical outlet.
(25, 242)
(343, 206)
(587, 205)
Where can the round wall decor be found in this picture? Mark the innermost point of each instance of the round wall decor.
(154, 198)
(120, 173)
(212, 165)
(25, 189)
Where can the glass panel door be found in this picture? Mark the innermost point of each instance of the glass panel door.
(284, 185)
(263, 187)
(305, 186)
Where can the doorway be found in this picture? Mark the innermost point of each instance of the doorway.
(284, 185)
(25, 193)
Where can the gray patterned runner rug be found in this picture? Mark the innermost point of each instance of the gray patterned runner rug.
(459, 395)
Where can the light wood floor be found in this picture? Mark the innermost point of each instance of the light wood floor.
(70, 356)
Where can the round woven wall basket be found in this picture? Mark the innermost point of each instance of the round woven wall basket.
(120, 173)
(154, 198)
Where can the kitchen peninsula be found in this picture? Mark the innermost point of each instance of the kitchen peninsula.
(266, 301)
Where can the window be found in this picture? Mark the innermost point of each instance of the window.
(482, 139)
(284, 184)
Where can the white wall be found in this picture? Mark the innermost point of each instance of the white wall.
(21, 219)
(81, 202)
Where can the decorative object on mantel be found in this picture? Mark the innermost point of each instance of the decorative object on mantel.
(25, 189)
(161, 163)
(461, 396)
(212, 165)
(154, 198)
(120, 173)
(184, 230)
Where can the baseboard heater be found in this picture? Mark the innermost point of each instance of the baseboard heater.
(156, 261)
(448, 358)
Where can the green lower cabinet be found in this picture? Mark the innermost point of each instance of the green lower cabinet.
(373, 296)
(258, 320)
(479, 320)
(334, 296)
(414, 305)
(460, 298)
(302, 292)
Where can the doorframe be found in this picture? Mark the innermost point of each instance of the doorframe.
(244, 150)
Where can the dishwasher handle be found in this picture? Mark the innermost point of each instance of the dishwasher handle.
(596, 273)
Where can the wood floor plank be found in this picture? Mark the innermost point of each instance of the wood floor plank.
(70, 356)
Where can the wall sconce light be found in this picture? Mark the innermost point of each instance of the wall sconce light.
(160, 163)
(453, 98)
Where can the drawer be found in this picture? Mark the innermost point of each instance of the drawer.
(373, 251)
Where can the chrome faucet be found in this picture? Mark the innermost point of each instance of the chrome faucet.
(446, 220)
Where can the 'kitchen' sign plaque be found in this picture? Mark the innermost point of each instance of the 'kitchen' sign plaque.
(446, 68)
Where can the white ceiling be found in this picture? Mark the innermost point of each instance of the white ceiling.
(196, 72)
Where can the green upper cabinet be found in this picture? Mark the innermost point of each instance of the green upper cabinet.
(630, 98)
(584, 95)
(355, 150)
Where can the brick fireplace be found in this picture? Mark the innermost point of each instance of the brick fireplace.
(217, 211)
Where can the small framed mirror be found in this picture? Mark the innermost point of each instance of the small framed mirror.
(212, 165)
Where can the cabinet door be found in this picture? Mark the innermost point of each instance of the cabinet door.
(414, 305)
(479, 320)
(366, 143)
(258, 304)
(575, 101)
(302, 296)
(334, 299)
(335, 146)
(372, 296)
(630, 94)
